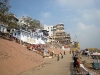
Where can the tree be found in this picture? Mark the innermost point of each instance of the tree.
(11, 20)
(1, 17)
(34, 24)
(30, 23)
(4, 6)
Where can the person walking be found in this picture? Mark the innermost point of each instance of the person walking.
(64, 53)
(62, 56)
(75, 62)
(58, 57)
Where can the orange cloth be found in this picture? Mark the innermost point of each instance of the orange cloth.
(28, 46)
(78, 63)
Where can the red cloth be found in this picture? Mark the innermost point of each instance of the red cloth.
(28, 46)
(78, 63)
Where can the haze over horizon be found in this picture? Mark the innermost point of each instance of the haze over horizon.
(81, 18)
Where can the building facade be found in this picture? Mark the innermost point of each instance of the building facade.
(60, 35)
(50, 32)
(57, 33)
(36, 37)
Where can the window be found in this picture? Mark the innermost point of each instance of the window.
(48, 27)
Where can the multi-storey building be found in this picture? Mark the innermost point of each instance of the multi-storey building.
(50, 32)
(60, 35)
(57, 33)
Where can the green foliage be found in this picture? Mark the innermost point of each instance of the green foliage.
(12, 20)
(4, 6)
(31, 23)
(9, 20)
(13, 25)
(6, 17)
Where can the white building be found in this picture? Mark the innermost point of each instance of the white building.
(3, 28)
(50, 32)
(49, 29)
(36, 37)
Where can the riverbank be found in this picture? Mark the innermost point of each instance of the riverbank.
(14, 58)
(53, 67)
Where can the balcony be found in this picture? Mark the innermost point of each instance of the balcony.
(60, 31)
(61, 28)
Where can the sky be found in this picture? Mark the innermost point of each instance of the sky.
(81, 18)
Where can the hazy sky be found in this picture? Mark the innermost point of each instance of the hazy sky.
(80, 17)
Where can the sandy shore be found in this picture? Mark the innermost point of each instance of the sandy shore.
(52, 67)
(14, 58)
(17, 60)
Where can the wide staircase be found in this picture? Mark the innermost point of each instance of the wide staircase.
(56, 44)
